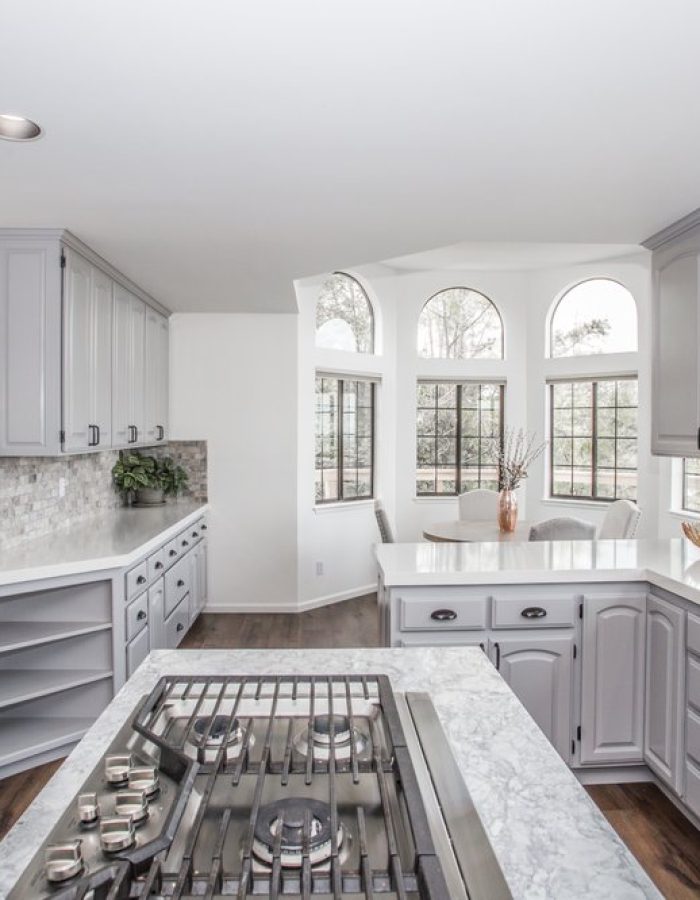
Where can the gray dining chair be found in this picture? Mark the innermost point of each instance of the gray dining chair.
(564, 528)
(385, 531)
(478, 506)
(621, 521)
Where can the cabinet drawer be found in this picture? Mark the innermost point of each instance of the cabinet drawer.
(445, 612)
(156, 565)
(694, 682)
(177, 582)
(195, 532)
(694, 633)
(691, 797)
(171, 552)
(203, 524)
(136, 580)
(443, 639)
(692, 735)
(136, 652)
(184, 541)
(176, 624)
(533, 612)
(136, 616)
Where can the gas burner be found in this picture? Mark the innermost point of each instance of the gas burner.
(208, 744)
(292, 812)
(343, 738)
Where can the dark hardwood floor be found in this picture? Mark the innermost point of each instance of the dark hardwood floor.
(661, 838)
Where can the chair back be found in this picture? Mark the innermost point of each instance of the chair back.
(621, 521)
(564, 528)
(478, 506)
(385, 531)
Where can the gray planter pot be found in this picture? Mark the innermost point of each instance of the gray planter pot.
(150, 496)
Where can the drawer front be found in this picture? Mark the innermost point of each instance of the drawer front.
(692, 788)
(137, 616)
(694, 633)
(533, 612)
(445, 612)
(442, 639)
(176, 624)
(136, 652)
(694, 682)
(203, 525)
(156, 565)
(171, 552)
(184, 541)
(136, 580)
(177, 584)
(195, 532)
(692, 736)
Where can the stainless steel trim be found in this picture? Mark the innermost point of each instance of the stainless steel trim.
(476, 859)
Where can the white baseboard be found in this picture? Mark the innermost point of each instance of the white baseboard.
(614, 774)
(296, 607)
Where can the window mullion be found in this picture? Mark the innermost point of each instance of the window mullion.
(594, 449)
(458, 446)
(341, 407)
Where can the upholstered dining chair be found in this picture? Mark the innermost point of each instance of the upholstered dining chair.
(621, 521)
(564, 528)
(385, 531)
(479, 506)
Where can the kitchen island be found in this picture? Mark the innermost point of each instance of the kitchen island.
(549, 838)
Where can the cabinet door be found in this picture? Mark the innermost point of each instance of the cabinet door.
(156, 614)
(612, 679)
(195, 558)
(665, 691)
(156, 377)
(101, 387)
(128, 369)
(78, 352)
(539, 670)
(137, 392)
(675, 322)
(203, 578)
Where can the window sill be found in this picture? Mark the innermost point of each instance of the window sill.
(685, 514)
(580, 504)
(322, 508)
(449, 499)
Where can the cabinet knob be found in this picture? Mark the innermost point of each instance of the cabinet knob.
(141, 615)
(158, 565)
(179, 627)
(195, 534)
(443, 615)
(141, 579)
(173, 553)
(533, 612)
(180, 582)
(203, 527)
(185, 544)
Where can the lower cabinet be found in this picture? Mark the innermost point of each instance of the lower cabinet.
(665, 691)
(612, 679)
(176, 624)
(539, 667)
(156, 613)
(136, 651)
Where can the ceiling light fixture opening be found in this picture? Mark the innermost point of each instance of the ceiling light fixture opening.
(18, 128)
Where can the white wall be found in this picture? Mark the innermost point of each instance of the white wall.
(233, 384)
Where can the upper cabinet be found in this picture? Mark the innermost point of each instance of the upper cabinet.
(676, 334)
(86, 351)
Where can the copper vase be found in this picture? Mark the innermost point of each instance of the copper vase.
(507, 510)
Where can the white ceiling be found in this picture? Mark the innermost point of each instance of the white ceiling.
(217, 150)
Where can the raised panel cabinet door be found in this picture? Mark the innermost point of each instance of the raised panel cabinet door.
(137, 369)
(101, 386)
(121, 361)
(163, 398)
(78, 353)
(203, 577)
(675, 372)
(539, 670)
(612, 679)
(665, 691)
(156, 377)
(156, 614)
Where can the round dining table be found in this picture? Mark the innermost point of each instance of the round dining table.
(471, 531)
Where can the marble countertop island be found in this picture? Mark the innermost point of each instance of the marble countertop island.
(672, 564)
(111, 541)
(550, 839)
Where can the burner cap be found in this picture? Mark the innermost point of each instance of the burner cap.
(322, 725)
(292, 811)
(219, 727)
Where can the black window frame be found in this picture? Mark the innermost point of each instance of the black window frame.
(684, 496)
(339, 468)
(594, 381)
(459, 437)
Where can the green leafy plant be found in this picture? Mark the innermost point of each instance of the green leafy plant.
(133, 471)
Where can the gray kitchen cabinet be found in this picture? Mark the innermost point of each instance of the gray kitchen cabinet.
(156, 378)
(665, 691)
(128, 369)
(156, 613)
(538, 666)
(66, 332)
(612, 679)
(675, 333)
(87, 355)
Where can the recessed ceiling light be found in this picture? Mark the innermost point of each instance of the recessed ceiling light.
(17, 128)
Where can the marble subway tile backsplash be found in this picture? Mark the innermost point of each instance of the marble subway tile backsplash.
(31, 504)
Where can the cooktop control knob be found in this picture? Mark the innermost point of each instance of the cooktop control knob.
(63, 861)
(117, 768)
(88, 808)
(144, 778)
(116, 833)
(133, 804)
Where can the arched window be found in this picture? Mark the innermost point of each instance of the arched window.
(460, 323)
(344, 318)
(595, 316)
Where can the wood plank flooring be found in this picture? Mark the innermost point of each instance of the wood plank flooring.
(661, 838)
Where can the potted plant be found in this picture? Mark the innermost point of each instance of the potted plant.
(146, 478)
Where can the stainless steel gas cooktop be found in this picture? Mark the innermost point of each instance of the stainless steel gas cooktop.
(271, 787)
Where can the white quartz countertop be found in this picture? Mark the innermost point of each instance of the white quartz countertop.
(112, 541)
(673, 564)
(549, 837)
